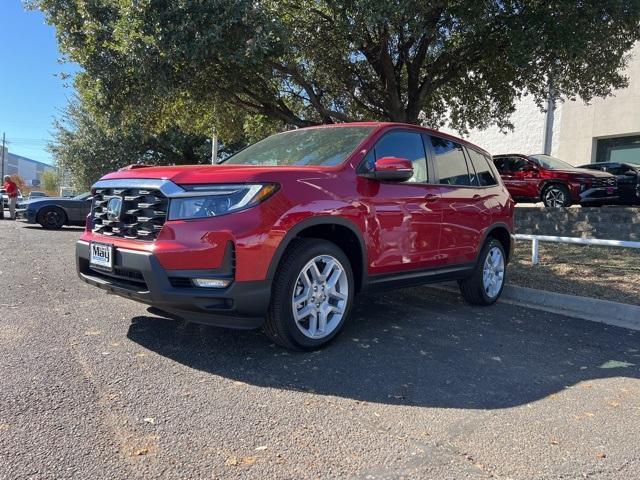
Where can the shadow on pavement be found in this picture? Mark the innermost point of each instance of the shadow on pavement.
(65, 228)
(414, 347)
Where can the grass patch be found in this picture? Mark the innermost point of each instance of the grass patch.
(606, 273)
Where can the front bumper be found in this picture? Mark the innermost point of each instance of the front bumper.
(599, 195)
(138, 275)
(26, 215)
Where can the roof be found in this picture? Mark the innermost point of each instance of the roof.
(381, 125)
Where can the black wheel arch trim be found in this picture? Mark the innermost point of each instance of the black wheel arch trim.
(487, 234)
(313, 222)
(547, 183)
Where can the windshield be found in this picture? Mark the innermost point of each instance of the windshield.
(305, 147)
(82, 196)
(551, 163)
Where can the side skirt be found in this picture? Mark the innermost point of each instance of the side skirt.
(415, 278)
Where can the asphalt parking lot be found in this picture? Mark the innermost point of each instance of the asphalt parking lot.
(418, 386)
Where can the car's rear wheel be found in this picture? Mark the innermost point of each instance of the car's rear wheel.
(556, 196)
(52, 218)
(485, 286)
(312, 295)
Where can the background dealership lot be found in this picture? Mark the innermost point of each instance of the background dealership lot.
(420, 386)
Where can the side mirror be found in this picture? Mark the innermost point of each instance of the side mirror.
(392, 169)
(529, 167)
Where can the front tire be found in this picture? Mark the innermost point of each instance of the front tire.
(556, 196)
(52, 218)
(485, 286)
(312, 295)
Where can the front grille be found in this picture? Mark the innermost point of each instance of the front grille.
(142, 214)
(123, 277)
(602, 182)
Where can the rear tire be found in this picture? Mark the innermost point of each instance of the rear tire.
(556, 196)
(486, 283)
(52, 218)
(311, 297)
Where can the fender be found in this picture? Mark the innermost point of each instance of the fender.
(312, 222)
(545, 183)
(489, 231)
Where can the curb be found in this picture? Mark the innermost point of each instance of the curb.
(585, 308)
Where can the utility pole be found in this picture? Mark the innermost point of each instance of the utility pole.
(2, 178)
(548, 122)
(3, 144)
(214, 148)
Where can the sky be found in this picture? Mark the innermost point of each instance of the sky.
(31, 95)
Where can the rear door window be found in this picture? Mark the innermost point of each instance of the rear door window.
(484, 174)
(450, 162)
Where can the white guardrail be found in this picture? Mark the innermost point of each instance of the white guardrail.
(536, 239)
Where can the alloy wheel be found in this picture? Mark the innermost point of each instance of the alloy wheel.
(493, 272)
(555, 198)
(320, 297)
(52, 218)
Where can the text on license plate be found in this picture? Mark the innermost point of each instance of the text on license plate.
(102, 255)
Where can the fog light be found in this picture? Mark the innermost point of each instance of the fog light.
(210, 282)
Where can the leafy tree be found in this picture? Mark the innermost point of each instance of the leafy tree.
(243, 65)
(86, 148)
(50, 181)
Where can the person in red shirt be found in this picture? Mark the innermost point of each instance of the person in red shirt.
(12, 193)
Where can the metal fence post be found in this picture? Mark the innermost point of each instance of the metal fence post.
(535, 254)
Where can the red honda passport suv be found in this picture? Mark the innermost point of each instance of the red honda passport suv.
(285, 233)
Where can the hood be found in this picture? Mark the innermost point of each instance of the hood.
(44, 199)
(196, 174)
(583, 172)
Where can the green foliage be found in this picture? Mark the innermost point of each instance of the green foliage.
(86, 148)
(241, 65)
(50, 182)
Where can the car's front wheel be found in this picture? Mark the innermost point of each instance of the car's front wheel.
(485, 286)
(52, 218)
(556, 196)
(312, 295)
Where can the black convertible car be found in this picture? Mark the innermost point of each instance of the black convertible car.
(628, 176)
(54, 213)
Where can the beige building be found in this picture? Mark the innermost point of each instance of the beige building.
(607, 129)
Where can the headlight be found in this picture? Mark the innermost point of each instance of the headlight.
(202, 201)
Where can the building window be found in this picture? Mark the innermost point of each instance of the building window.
(619, 149)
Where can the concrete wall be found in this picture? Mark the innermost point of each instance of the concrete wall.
(611, 223)
(527, 136)
(618, 115)
(577, 126)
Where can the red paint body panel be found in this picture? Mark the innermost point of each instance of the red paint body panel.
(404, 226)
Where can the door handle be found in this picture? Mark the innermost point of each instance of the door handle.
(431, 197)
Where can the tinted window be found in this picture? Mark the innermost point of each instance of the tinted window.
(450, 162)
(501, 163)
(404, 145)
(517, 164)
(484, 175)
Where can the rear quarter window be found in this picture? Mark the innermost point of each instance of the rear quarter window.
(484, 173)
(450, 162)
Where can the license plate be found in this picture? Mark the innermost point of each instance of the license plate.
(611, 190)
(101, 255)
